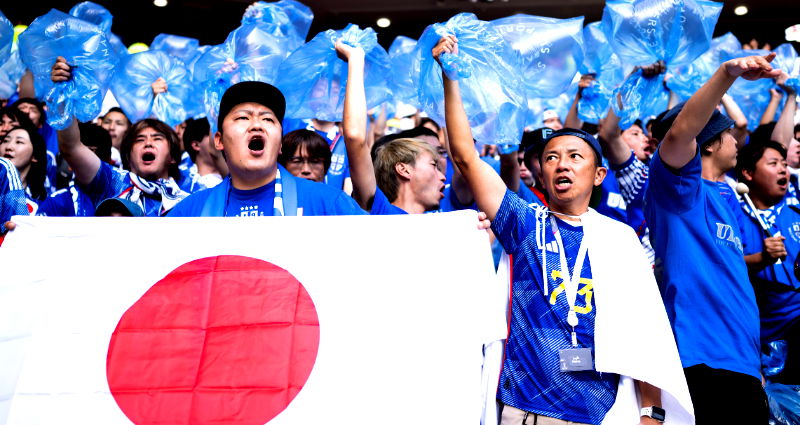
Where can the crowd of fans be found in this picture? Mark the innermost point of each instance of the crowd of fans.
(720, 256)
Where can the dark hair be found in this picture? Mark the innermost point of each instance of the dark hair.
(762, 133)
(34, 102)
(413, 133)
(316, 146)
(20, 117)
(97, 137)
(426, 120)
(797, 129)
(38, 171)
(167, 131)
(195, 131)
(118, 109)
(749, 154)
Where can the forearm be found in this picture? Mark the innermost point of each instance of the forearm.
(354, 126)
(757, 262)
(678, 146)
(509, 170)
(26, 86)
(769, 113)
(614, 148)
(783, 132)
(739, 119)
(649, 396)
(80, 158)
(572, 120)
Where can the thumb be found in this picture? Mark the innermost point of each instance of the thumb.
(769, 57)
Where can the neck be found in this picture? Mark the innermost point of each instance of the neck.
(23, 176)
(569, 211)
(249, 181)
(710, 170)
(206, 166)
(760, 202)
(407, 201)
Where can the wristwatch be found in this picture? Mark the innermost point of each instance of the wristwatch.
(654, 412)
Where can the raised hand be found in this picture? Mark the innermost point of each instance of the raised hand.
(346, 51)
(752, 67)
(61, 71)
(159, 86)
(446, 44)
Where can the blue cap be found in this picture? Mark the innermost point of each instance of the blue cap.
(588, 138)
(715, 125)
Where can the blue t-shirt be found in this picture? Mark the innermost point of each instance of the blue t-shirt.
(382, 206)
(112, 182)
(700, 269)
(339, 169)
(776, 285)
(527, 195)
(12, 194)
(612, 204)
(531, 379)
(67, 202)
(312, 199)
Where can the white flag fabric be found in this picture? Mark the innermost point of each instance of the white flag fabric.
(401, 304)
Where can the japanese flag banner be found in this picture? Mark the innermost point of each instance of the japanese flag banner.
(278, 320)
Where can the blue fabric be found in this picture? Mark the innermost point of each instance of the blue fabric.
(67, 202)
(12, 194)
(612, 204)
(450, 202)
(776, 285)
(401, 57)
(700, 269)
(527, 195)
(687, 79)
(289, 20)
(339, 169)
(183, 48)
(531, 379)
(112, 182)
(632, 177)
(251, 203)
(314, 199)
(382, 206)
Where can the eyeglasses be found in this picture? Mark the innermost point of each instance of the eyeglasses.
(299, 161)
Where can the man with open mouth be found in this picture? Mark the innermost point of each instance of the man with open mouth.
(150, 155)
(249, 137)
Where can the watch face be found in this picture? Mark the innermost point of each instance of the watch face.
(659, 414)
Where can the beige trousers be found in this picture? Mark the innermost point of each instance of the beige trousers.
(514, 416)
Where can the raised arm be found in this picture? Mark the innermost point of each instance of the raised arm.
(354, 126)
(784, 129)
(739, 119)
(678, 146)
(772, 107)
(614, 148)
(573, 121)
(487, 187)
(81, 159)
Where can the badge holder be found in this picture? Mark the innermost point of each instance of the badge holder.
(575, 359)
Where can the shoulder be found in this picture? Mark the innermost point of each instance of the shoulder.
(328, 199)
(192, 205)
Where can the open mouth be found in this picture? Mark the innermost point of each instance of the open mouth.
(782, 181)
(256, 143)
(563, 183)
(148, 157)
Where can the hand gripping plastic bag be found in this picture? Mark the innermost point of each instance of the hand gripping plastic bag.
(285, 18)
(100, 16)
(599, 60)
(645, 31)
(131, 87)
(250, 53)
(401, 58)
(183, 48)
(784, 403)
(489, 77)
(313, 78)
(6, 38)
(550, 51)
(685, 80)
(640, 97)
(86, 48)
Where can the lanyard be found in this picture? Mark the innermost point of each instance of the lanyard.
(570, 281)
(335, 140)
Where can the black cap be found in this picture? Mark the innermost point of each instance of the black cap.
(535, 140)
(715, 125)
(252, 91)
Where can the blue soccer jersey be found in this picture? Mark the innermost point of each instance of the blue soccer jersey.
(111, 182)
(12, 194)
(700, 269)
(382, 206)
(531, 378)
(67, 202)
(776, 286)
(612, 204)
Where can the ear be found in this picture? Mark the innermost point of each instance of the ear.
(600, 175)
(196, 145)
(747, 174)
(218, 141)
(403, 170)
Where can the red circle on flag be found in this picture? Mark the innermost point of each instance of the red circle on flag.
(225, 339)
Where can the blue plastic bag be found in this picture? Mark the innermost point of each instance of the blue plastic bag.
(687, 79)
(787, 61)
(86, 48)
(100, 16)
(401, 57)
(640, 97)
(550, 51)
(784, 403)
(489, 76)
(599, 60)
(250, 53)
(183, 48)
(772, 363)
(645, 31)
(10, 73)
(313, 78)
(752, 97)
(285, 18)
(131, 86)
(6, 38)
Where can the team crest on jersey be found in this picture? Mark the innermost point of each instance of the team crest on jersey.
(794, 231)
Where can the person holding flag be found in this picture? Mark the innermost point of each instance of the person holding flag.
(573, 353)
(695, 232)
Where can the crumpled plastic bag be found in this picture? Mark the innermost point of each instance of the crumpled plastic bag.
(401, 57)
(11, 72)
(599, 60)
(86, 48)
(685, 80)
(786, 60)
(773, 362)
(640, 97)
(784, 403)
(488, 71)
(250, 53)
(285, 18)
(100, 16)
(550, 50)
(183, 48)
(313, 78)
(131, 87)
(752, 97)
(645, 31)
(6, 38)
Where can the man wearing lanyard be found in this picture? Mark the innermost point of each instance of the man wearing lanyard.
(577, 351)
(249, 136)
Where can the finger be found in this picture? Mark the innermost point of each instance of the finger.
(770, 56)
(10, 225)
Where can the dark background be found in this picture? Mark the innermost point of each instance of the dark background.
(211, 21)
